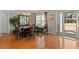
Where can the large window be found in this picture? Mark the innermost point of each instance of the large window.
(23, 20)
(40, 20)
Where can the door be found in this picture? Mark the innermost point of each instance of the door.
(52, 23)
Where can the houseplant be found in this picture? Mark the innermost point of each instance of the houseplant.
(13, 22)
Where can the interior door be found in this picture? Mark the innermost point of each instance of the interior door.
(70, 24)
(52, 24)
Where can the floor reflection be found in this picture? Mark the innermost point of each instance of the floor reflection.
(41, 41)
(68, 42)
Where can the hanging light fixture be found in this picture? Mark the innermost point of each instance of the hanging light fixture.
(26, 13)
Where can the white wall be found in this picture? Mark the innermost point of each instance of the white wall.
(0, 24)
(4, 22)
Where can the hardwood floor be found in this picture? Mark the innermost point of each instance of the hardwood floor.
(42, 41)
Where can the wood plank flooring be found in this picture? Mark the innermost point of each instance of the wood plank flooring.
(42, 41)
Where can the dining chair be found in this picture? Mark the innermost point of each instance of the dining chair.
(31, 31)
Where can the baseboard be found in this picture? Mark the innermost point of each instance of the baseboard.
(4, 33)
(52, 33)
(60, 34)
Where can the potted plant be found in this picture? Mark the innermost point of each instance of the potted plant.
(13, 21)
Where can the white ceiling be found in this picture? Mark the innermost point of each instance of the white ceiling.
(33, 11)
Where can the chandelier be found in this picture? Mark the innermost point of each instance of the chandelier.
(26, 13)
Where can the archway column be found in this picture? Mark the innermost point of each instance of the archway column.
(46, 21)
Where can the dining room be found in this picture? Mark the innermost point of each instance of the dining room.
(30, 26)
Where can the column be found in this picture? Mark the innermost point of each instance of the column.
(46, 21)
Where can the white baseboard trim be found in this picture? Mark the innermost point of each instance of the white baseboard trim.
(52, 33)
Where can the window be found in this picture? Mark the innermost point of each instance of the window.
(40, 20)
(24, 20)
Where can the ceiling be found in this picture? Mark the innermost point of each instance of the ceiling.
(33, 11)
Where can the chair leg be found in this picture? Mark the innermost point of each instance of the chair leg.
(17, 35)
